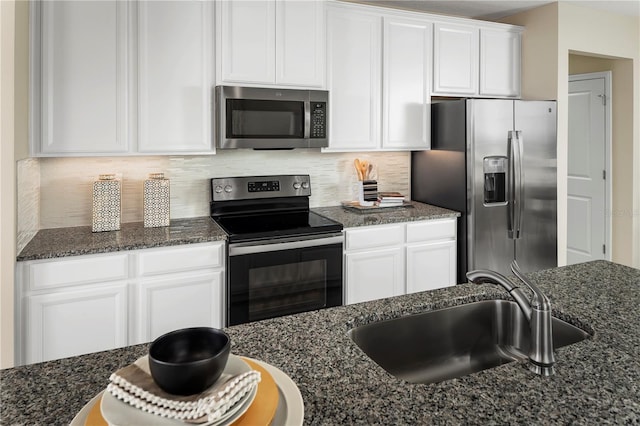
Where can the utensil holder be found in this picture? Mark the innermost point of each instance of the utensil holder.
(370, 190)
(156, 201)
(106, 204)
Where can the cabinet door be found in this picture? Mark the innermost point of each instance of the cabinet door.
(455, 59)
(83, 80)
(374, 275)
(179, 301)
(431, 266)
(175, 75)
(75, 322)
(300, 43)
(247, 33)
(354, 68)
(407, 72)
(499, 63)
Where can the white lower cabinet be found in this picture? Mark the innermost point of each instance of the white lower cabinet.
(75, 322)
(81, 304)
(179, 301)
(374, 274)
(431, 266)
(390, 260)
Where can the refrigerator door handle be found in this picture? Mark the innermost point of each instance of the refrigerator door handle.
(518, 184)
(510, 185)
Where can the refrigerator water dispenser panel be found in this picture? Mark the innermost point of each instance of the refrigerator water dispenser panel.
(495, 172)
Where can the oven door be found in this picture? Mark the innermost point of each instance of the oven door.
(275, 278)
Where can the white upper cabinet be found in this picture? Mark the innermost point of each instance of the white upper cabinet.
(271, 42)
(247, 38)
(79, 59)
(455, 59)
(354, 51)
(121, 78)
(175, 76)
(406, 74)
(300, 43)
(499, 63)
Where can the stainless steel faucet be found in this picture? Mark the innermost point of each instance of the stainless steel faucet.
(537, 312)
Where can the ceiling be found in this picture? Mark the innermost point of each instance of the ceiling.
(496, 9)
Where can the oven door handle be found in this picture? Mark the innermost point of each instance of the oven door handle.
(238, 250)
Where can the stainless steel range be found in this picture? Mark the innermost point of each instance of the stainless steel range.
(282, 257)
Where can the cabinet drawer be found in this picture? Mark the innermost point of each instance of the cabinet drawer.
(77, 270)
(185, 258)
(443, 229)
(377, 236)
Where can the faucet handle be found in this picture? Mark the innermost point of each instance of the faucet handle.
(539, 300)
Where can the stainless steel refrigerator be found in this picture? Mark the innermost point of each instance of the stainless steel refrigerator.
(494, 161)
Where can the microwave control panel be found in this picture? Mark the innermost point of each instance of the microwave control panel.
(318, 120)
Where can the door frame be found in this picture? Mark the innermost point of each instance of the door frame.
(608, 166)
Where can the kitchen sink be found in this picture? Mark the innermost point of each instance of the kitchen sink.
(453, 342)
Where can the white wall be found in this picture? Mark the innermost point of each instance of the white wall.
(552, 33)
(595, 32)
(7, 180)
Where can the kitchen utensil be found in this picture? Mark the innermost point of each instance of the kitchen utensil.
(188, 361)
(358, 167)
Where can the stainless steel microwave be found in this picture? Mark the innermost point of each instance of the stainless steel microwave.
(263, 118)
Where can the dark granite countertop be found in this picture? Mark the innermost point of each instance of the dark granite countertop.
(351, 218)
(78, 240)
(596, 380)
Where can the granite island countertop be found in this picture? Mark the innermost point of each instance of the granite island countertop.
(596, 380)
(79, 240)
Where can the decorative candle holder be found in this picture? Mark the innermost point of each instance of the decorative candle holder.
(106, 203)
(156, 201)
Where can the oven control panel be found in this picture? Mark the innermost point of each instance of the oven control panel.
(264, 186)
(247, 187)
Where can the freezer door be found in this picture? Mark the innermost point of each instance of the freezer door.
(536, 247)
(490, 123)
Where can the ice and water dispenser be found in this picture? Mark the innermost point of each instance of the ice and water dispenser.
(495, 174)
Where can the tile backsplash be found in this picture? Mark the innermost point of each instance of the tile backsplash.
(64, 195)
(28, 181)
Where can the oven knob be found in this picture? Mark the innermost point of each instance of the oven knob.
(296, 185)
(305, 185)
(218, 189)
(227, 188)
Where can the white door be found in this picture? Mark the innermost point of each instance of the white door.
(586, 196)
(431, 266)
(499, 63)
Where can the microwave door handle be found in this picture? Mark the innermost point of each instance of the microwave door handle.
(307, 119)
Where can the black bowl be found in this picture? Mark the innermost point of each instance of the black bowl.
(188, 361)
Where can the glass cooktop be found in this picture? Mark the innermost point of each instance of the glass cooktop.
(275, 225)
